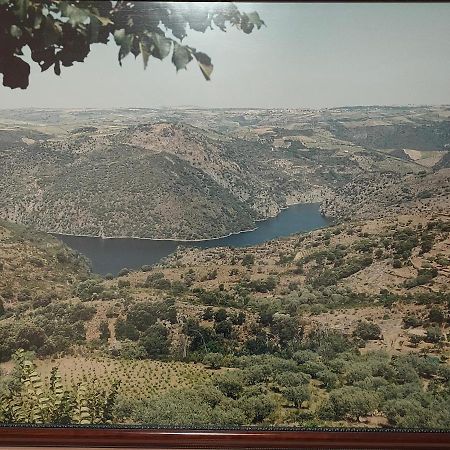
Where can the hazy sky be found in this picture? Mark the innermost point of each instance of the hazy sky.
(309, 55)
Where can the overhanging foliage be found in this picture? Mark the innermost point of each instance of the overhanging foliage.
(59, 33)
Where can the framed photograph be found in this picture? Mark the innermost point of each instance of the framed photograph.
(224, 225)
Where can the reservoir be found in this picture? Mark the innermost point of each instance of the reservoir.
(111, 255)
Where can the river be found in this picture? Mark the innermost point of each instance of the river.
(111, 255)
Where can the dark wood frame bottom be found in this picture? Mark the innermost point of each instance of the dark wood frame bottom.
(145, 438)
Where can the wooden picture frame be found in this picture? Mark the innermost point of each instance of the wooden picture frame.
(27, 436)
(151, 438)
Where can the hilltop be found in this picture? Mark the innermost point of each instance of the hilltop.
(206, 174)
(160, 181)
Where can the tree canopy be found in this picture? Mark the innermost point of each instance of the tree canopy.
(59, 33)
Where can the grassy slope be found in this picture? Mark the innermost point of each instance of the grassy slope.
(278, 258)
(281, 258)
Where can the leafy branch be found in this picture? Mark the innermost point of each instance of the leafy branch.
(59, 33)
(37, 402)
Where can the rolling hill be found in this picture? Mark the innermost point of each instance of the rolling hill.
(173, 180)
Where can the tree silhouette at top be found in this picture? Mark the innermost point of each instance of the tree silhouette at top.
(59, 33)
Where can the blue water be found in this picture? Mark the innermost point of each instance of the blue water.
(111, 255)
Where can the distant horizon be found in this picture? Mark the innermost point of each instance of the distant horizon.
(75, 108)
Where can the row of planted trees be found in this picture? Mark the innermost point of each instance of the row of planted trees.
(27, 398)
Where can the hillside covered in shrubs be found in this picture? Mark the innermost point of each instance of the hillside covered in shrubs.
(345, 326)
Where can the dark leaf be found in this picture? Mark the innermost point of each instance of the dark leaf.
(204, 61)
(119, 36)
(135, 47)
(175, 23)
(181, 56)
(15, 71)
(124, 41)
(254, 18)
(38, 19)
(245, 25)
(59, 32)
(75, 15)
(161, 46)
(44, 57)
(94, 30)
(22, 6)
(219, 21)
(57, 67)
(145, 53)
(51, 32)
(97, 32)
(103, 20)
(15, 31)
(145, 46)
(75, 46)
(69, 54)
(198, 18)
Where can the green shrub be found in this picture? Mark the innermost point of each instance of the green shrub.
(248, 260)
(157, 281)
(328, 343)
(104, 330)
(257, 373)
(411, 321)
(220, 315)
(156, 341)
(208, 314)
(257, 407)
(213, 360)
(352, 402)
(433, 335)
(330, 277)
(367, 331)
(223, 328)
(297, 395)
(144, 314)
(89, 289)
(418, 412)
(292, 379)
(123, 272)
(123, 284)
(424, 276)
(436, 315)
(189, 407)
(132, 350)
(126, 330)
(328, 379)
(262, 285)
(230, 384)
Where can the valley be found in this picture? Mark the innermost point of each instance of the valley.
(199, 174)
(344, 322)
(109, 256)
